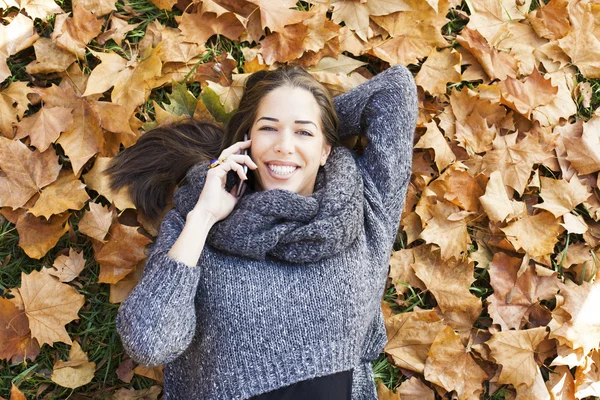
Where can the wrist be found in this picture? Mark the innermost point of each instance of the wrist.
(199, 213)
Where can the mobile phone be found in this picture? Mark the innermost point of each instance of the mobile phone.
(243, 183)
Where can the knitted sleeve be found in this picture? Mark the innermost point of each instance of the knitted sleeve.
(384, 108)
(157, 321)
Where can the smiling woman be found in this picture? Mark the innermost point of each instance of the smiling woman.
(288, 144)
(275, 294)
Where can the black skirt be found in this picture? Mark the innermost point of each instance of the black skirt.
(336, 386)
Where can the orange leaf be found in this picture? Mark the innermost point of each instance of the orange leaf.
(13, 104)
(524, 97)
(65, 193)
(38, 235)
(440, 68)
(583, 147)
(199, 27)
(447, 228)
(561, 196)
(536, 234)
(99, 181)
(45, 126)
(49, 305)
(414, 389)
(97, 221)
(14, 327)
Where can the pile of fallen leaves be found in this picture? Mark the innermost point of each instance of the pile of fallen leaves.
(500, 234)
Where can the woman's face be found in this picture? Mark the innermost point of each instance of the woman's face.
(287, 142)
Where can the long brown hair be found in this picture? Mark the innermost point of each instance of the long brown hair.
(160, 158)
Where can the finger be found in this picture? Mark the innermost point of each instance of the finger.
(243, 159)
(232, 165)
(235, 148)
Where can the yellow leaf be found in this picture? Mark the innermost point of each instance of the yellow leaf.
(97, 180)
(78, 371)
(65, 193)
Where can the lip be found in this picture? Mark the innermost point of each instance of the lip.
(282, 163)
(279, 177)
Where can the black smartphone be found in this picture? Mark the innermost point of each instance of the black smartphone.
(243, 183)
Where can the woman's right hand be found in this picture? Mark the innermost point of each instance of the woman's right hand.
(214, 199)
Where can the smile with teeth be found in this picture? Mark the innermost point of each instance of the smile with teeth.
(281, 169)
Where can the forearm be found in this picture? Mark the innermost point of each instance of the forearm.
(190, 243)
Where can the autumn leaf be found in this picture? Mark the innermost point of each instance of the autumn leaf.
(13, 104)
(410, 336)
(16, 394)
(73, 34)
(199, 27)
(155, 373)
(65, 193)
(582, 329)
(452, 367)
(45, 126)
(536, 234)
(26, 172)
(433, 139)
(524, 97)
(40, 8)
(97, 221)
(458, 187)
(67, 268)
(518, 289)
(447, 228)
(583, 149)
(583, 47)
(14, 37)
(551, 21)
(496, 64)
(49, 57)
(587, 376)
(496, 202)
(122, 251)
(131, 394)
(49, 305)
(440, 68)
(76, 372)
(414, 389)
(14, 328)
(285, 45)
(561, 196)
(514, 351)
(230, 96)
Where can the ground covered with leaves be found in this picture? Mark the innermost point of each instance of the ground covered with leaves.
(493, 288)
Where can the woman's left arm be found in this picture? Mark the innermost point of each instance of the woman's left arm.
(385, 109)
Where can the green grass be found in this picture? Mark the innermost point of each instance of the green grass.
(95, 328)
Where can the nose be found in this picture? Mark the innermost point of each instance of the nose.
(285, 143)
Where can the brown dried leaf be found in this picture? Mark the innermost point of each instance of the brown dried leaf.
(452, 367)
(583, 47)
(38, 235)
(97, 180)
(410, 336)
(199, 27)
(13, 104)
(414, 389)
(440, 68)
(14, 328)
(49, 305)
(119, 255)
(284, 45)
(583, 149)
(433, 139)
(73, 34)
(515, 351)
(67, 268)
(496, 64)
(561, 196)
(536, 234)
(14, 37)
(78, 371)
(97, 221)
(447, 228)
(524, 97)
(45, 126)
(26, 172)
(65, 193)
(49, 57)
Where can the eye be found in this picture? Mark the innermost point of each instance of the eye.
(266, 128)
(305, 133)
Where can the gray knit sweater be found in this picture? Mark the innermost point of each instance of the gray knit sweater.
(236, 326)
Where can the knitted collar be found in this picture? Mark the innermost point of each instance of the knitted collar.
(285, 225)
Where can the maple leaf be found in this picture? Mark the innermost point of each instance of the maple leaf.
(514, 160)
(414, 34)
(40, 8)
(433, 139)
(410, 336)
(164, 4)
(45, 126)
(99, 181)
(76, 372)
(118, 30)
(440, 68)
(452, 367)
(449, 282)
(562, 196)
(117, 257)
(515, 351)
(26, 172)
(496, 64)
(414, 389)
(73, 34)
(536, 234)
(230, 96)
(13, 104)
(14, 37)
(581, 328)
(130, 394)
(66, 192)
(320, 29)
(67, 268)
(583, 47)
(16, 394)
(492, 18)
(285, 45)
(37, 235)
(99, 7)
(524, 97)
(458, 187)
(562, 106)
(97, 221)
(85, 138)
(447, 228)
(109, 71)
(560, 384)
(583, 148)
(199, 27)
(49, 305)
(496, 202)
(551, 21)
(401, 271)
(518, 289)
(120, 290)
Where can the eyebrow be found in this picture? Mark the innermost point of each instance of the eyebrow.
(297, 121)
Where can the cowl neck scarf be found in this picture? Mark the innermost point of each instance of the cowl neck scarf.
(285, 225)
